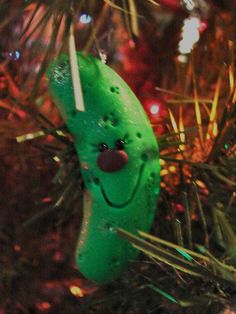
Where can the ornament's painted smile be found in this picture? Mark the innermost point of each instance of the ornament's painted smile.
(131, 196)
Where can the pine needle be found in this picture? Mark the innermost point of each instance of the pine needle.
(29, 23)
(117, 7)
(191, 268)
(172, 245)
(96, 28)
(163, 293)
(134, 17)
(196, 102)
(201, 214)
(211, 127)
(231, 67)
(187, 219)
(178, 232)
(227, 230)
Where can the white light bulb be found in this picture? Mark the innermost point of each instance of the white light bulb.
(85, 19)
(190, 34)
(154, 109)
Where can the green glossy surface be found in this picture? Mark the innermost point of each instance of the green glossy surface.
(126, 198)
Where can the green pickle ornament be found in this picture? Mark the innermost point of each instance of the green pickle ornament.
(119, 163)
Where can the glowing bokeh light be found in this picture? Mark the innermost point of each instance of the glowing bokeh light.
(189, 4)
(17, 248)
(164, 172)
(162, 162)
(85, 19)
(15, 55)
(182, 58)
(172, 169)
(76, 291)
(190, 34)
(154, 109)
(44, 306)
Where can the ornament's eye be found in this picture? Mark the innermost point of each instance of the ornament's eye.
(102, 147)
(120, 144)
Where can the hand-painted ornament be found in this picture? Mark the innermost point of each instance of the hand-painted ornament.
(120, 163)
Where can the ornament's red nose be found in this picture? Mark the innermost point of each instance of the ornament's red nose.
(112, 160)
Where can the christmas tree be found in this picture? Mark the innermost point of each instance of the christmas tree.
(179, 59)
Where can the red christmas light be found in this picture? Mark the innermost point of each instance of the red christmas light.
(157, 112)
(156, 109)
